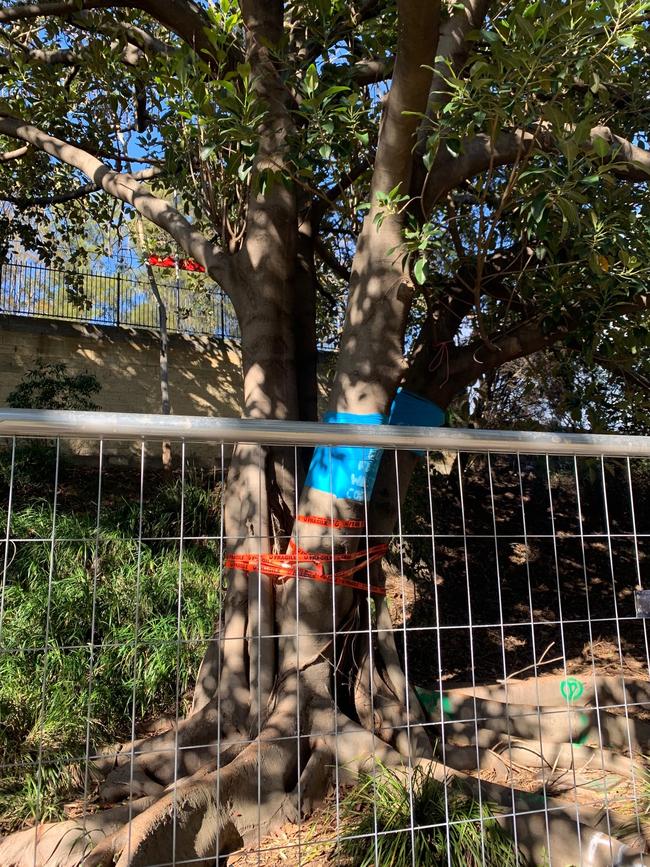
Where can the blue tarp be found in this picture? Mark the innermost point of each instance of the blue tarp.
(349, 472)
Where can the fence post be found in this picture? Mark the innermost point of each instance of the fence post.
(223, 322)
(119, 284)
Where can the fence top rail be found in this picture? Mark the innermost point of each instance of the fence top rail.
(142, 426)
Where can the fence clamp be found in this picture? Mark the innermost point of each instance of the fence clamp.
(642, 603)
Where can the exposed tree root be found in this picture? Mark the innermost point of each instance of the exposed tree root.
(147, 765)
(214, 811)
(204, 802)
(67, 843)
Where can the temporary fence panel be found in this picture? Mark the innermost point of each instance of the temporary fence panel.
(515, 601)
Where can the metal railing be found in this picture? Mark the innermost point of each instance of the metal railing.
(516, 578)
(194, 306)
(188, 428)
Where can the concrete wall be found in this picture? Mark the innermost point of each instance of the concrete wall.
(205, 374)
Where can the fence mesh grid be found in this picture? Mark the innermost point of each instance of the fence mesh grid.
(510, 594)
(193, 304)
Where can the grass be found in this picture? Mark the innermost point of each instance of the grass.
(67, 688)
(381, 805)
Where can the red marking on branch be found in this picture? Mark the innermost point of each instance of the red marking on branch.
(171, 262)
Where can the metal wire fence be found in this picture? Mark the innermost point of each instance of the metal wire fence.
(194, 306)
(516, 582)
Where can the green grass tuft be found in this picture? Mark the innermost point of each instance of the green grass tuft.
(381, 804)
(66, 689)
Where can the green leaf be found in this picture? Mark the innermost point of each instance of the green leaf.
(570, 216)
(419, 270)
(601, 146)
(531, 10)
(332, 91)
(627, 40)
(490, 36)
(311, 79)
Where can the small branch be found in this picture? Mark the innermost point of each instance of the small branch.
(127, 188)
(16, 154)
(328, 258)
(498, 266)
(630, 162)
(452, 223)
(328, 198)
(326, 294)
(56, 199)
(71, 195)
(630, 377)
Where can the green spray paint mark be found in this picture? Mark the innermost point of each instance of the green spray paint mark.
(572, 688)
(430, 701)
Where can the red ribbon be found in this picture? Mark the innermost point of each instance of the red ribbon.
(171, 262)
(297, 563)
(338, 523)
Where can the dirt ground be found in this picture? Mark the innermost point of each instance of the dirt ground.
(530, 580)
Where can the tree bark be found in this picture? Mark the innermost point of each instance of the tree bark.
(165, 402)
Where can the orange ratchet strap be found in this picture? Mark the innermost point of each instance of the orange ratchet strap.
(283, 567)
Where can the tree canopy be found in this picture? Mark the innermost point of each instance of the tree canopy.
(525, 217)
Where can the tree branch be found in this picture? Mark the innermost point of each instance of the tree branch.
(23, 11)
(524, 338)
(361, 72)
(183, 17)
(342, 29)
(135, 35)
(365, 72)
(328, 258)
(629, 377)
(416, 49)
(37, 56)
(14, 155)
(630, 162)
(127, 188)
(24, 202)
(328, 198)
(453, 50)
